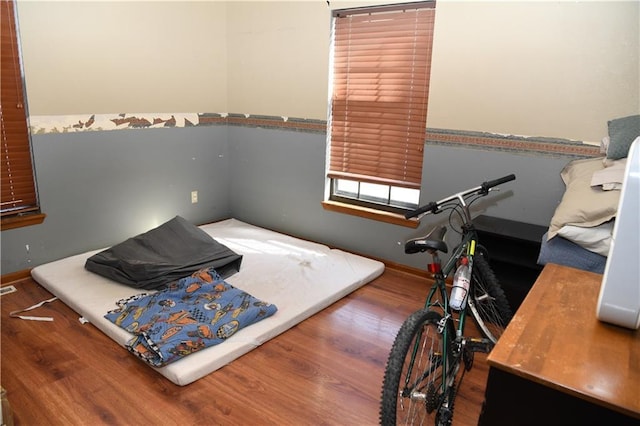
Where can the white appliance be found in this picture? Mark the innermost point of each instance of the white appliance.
(619, 300)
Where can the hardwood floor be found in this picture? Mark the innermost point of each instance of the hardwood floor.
(326, 370)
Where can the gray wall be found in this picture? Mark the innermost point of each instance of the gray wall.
(277, 181)
(99, 188)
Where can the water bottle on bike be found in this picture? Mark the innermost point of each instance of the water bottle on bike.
(461, 283)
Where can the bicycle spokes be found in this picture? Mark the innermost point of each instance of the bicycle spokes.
(488, 303)
(416, 389)
(417, 370)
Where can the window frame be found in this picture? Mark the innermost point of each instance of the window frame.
(19, 189)
(351, 205)
(390, 204)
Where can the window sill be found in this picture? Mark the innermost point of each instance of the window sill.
(21, 221)
(382, 216)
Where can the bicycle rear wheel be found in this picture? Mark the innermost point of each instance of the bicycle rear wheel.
(487, 302)
(412, 391)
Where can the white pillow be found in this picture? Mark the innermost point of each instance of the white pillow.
(596, 239)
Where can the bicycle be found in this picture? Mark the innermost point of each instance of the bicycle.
(425, 359)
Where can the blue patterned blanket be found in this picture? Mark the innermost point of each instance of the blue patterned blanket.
(191, 314)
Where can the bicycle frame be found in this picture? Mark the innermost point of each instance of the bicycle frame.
(465, 248)
(443, 362)
(467, 244)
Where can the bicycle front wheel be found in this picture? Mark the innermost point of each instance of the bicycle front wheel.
(413, 391)
(487, 302)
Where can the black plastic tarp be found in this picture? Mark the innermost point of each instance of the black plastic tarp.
(164, 254)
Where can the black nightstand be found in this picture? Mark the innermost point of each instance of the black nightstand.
(513, 254)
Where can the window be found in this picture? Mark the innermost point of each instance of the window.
(381, 62)
(19, 202)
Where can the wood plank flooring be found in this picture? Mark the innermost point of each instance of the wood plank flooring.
(327, 370)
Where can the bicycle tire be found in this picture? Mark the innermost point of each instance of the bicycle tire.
(487, 303)
(397, 404)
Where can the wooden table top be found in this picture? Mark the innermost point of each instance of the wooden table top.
(556, 340)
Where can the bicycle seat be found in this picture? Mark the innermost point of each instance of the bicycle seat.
(434, 240)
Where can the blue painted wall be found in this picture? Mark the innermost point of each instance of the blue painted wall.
(99, 188)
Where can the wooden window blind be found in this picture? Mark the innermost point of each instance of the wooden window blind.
(381, 69)
(18, 188)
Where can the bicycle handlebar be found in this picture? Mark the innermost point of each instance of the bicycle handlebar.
(483, 189)
(486, 186)
(431, 207)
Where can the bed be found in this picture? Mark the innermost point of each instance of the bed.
(299, 277)
(581, 229)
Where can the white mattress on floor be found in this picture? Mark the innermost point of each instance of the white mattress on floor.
(299, 277)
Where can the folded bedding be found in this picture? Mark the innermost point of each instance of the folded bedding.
(582, 204)
(191, 314)
(163, 255)
(581, 229)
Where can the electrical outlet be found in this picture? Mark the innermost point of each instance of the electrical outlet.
(7, 289)
(194, 197)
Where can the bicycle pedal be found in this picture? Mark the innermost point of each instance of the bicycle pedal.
(479, 345)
